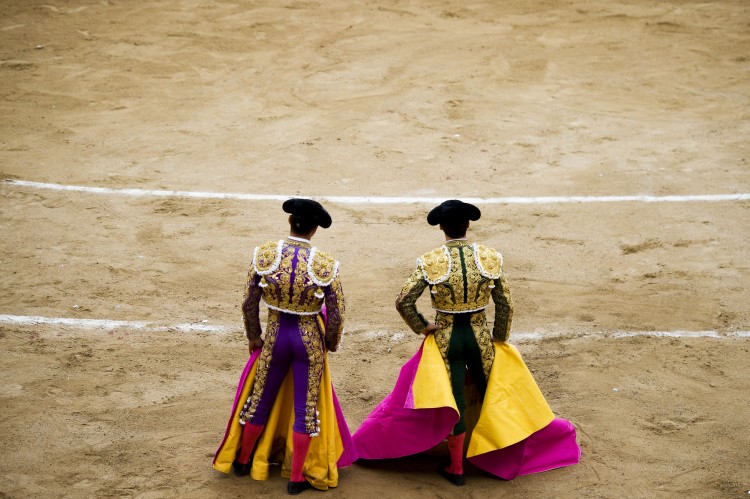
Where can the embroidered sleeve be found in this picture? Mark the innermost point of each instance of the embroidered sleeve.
(334, 301)
(406, 302)
(503, 309)
(251, 305)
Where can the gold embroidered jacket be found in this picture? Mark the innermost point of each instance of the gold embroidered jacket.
(462, 277)
(293, 277)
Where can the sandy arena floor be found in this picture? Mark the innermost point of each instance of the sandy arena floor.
(418, 98)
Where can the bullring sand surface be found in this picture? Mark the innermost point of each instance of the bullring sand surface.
(436, 99)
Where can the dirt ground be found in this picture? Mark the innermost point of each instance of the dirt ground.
(402, 98)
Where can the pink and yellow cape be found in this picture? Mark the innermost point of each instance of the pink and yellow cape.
(329, 451)
(514, 430)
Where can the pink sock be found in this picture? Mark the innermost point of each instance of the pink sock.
(456, 448)
(250, 434)
(300, 446)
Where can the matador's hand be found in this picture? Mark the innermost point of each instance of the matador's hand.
(253, 345)
(429, 329)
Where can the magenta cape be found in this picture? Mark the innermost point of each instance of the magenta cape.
(513, 432)
(333, 448)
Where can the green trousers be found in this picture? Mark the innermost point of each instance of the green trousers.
(463, 355)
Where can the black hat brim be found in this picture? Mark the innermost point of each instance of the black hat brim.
(453, 211)
(309, 210)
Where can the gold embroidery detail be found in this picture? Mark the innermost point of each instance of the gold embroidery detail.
(323, 268)
(489, 261)
(481, 332)
(267, 256)
(312, 337)
(455, 294)
(261, 373)
(484, 339)
(303, 295)
(407, 299)
(435, 265)
(443, 337)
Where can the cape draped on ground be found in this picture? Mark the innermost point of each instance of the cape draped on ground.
(329, 451)
(514, 433)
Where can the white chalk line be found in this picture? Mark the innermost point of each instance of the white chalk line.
(109, 325)
(105, 324)
(381, 199)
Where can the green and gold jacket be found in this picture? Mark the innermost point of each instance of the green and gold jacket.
(462, 278)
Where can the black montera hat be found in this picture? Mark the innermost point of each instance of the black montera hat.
(453, 211)
(309, 210)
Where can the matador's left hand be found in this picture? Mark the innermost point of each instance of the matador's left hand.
(253, 345)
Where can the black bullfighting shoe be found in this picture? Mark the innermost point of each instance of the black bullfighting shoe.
(295, 488)
(458, 480)
(241, 469)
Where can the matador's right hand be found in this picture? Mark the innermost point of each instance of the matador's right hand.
(429, 329)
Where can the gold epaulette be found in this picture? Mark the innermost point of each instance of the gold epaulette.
(322, 267)
(267, 257)
(489, 261)
(435, 265)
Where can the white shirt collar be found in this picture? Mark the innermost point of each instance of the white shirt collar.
(299, 239)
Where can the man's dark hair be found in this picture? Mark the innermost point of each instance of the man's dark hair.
(301, 224)
(455, 229)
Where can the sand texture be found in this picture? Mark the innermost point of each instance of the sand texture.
(438, 99)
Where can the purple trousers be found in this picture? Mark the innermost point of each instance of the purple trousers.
(288, 353)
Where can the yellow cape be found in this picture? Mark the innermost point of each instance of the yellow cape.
(513, 407)
(275, 443)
